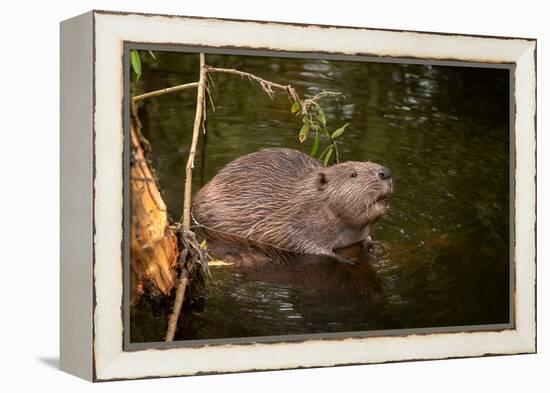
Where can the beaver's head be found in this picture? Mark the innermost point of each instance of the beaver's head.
(358, 192)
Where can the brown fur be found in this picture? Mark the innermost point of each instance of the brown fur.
(281, 200)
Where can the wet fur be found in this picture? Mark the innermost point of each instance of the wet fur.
(281, 201)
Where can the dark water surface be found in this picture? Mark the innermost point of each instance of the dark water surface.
(443, 131)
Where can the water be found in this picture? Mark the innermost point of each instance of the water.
(442, 130)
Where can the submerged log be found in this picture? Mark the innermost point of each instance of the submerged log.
(154, 248)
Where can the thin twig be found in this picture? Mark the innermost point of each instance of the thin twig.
(184, 275)
(167, 90)
(210, 80)
(203, 159)
(209, 94)
(196, 131)
(324, 93)
(178, 302)
(266, 85)
(313, 100)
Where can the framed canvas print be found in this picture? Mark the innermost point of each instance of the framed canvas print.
(245, 195)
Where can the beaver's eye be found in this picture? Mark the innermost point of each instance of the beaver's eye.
(353, 174)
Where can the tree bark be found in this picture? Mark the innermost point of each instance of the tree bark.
(154, 247)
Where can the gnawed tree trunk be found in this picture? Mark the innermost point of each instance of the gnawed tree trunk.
(154, 246)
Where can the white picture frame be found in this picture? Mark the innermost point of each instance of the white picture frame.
(92, 137)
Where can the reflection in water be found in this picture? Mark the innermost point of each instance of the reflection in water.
(318, 295)
(442, 130)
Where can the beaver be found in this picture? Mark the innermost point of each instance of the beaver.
(283, 200)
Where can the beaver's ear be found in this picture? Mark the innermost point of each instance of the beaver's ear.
(321, 181)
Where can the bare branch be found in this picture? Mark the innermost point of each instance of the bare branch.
(168, 90)
(184, 275)
(178, 302)
(199, 114)
(266, 85)
(324, 93)
(209, 94)
(312, 100)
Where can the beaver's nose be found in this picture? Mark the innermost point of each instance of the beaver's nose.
(384, 173)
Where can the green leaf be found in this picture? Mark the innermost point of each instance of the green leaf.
(295, 107)
(136, 63)
(329, 154)
(315, 145)
(303, 132)
(324, 152)
(152, 55)
(321, 117)
(339, 131)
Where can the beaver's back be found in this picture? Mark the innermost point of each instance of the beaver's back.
(250, 188)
